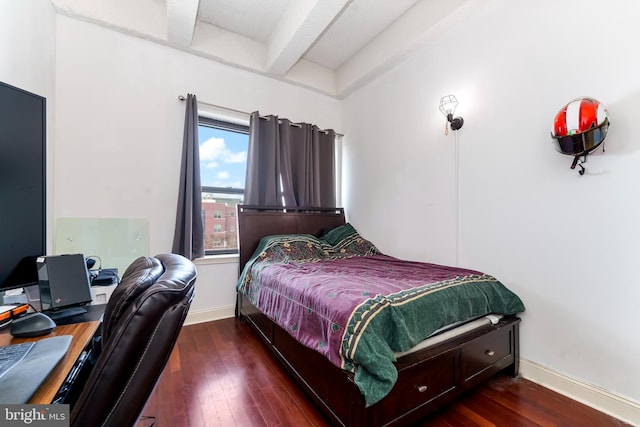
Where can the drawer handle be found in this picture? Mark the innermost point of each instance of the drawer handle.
(422, 388)
(489, 353)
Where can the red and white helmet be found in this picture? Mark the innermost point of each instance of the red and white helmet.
(580, 126)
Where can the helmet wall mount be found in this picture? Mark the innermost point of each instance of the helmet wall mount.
(579, 128)
(577, 161)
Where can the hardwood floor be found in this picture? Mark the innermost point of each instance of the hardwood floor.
(220, 374)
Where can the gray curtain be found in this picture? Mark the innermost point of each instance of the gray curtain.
(298, 155)
(188, 239)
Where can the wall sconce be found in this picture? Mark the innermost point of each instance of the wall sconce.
(448, 106)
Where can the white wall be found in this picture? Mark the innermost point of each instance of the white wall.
(27, 45)
(567, 244)
(119, 130)
(27, 61)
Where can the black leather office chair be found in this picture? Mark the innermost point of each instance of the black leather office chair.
(141, 324)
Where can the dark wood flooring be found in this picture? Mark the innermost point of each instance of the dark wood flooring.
(220, 374)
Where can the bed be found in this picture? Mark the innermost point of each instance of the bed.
(387, 357)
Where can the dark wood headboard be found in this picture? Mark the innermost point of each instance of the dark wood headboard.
(255, 222)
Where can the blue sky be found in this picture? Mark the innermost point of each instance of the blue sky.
(223, 157)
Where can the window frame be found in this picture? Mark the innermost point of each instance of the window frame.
(221, 124)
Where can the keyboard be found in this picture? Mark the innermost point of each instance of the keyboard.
(25, 366)
(10, 355)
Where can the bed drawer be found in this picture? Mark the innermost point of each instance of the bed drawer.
(487, 354)
(426, 381)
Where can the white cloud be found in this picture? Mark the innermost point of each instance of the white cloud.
(214, 151)
(236, 157)
(223, 175)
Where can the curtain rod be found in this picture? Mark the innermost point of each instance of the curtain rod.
(183, 98)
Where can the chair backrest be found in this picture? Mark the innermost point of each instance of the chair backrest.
(140, 326)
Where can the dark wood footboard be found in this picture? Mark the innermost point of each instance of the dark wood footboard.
(427, 379)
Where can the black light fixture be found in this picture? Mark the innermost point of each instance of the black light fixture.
(448, 106)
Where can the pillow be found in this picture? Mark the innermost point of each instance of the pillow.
(289, 247)
(354, 245)
(325, 230)
(338, 234)
(346, 241)
(281, 248)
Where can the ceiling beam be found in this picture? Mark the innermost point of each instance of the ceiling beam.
(297, 30)
(423, 22)
(181, 21)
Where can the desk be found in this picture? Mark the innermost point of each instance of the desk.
(82, 334)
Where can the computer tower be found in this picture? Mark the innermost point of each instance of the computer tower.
(63, 281)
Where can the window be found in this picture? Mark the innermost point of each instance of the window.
(223, 165)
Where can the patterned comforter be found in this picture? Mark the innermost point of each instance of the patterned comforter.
(340, 296)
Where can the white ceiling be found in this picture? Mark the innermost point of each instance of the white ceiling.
(332, 46)
(239, 16)
(351, 27)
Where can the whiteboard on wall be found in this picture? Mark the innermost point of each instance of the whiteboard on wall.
(114, 242)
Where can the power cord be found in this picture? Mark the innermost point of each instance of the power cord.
(91, 264)
(35, 310)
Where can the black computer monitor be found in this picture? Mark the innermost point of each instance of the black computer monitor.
(22, 186)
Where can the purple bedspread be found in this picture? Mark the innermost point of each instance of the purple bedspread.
(315, 300)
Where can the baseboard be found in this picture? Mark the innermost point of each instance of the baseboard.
(208, 315)
(622, 408)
